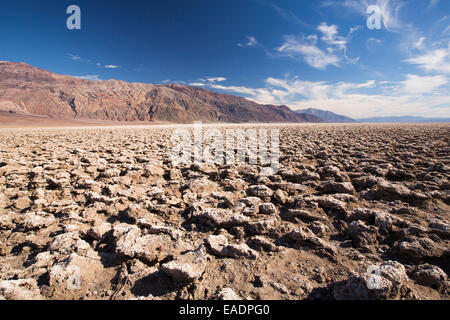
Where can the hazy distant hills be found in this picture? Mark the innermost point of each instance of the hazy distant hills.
(29, 90)
(405, 119)
(327, 116)
(332, 117)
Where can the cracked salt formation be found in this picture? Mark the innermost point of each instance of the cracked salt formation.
(355, 212)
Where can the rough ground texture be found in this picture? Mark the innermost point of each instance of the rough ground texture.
(355, 212)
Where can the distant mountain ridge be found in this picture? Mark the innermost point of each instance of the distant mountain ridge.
(327, 116)
(30, 90)
(404, 119)
(332, 117)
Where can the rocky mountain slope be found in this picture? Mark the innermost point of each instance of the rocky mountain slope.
(29, 90)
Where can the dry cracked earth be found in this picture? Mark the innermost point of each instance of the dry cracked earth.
(355, 212)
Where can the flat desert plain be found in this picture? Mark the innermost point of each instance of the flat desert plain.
(17, 120)
(354, 212)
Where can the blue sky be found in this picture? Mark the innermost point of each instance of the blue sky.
(302, 54)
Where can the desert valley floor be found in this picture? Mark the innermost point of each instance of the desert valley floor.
(355, 212)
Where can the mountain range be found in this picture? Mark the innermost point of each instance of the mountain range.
(403, 119)
(25, 89)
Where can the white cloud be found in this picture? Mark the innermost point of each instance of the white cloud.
(74, 57)
(296, 87)
(98, 64)
(415, 84)
(216, 79)
(330, 50)
(368, 84)
(416, 95)
(111, 66)
(92, 77)
(329, 32)
(251, 42)
(307, 48)
(330, 35)
(437, 60)
(419, 43)
(236, 89)
(206, 81)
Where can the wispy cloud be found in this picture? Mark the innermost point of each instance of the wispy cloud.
(286, 15)
(415, 84)
(251, 42)
(216, 79)
(169, 81)
(430, 52)
(74, 57)
(289, 16)
(330, 35)
(307, 47)
(207, 81)
(433, 3)
(420, 43)
(437, 60)
(111, 66)
(92, 77)
(78, 58)
(446, 31)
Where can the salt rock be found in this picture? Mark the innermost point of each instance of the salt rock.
(430, 275)
(22, 289)
(219, 246)
(338, 187)
(39, 220)
(150, 247)
(74, 275)
(267, 208)
(260, 191)
(68, 243)
(386, 281)
(227, 294)
(221, 217)
(187, 267)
